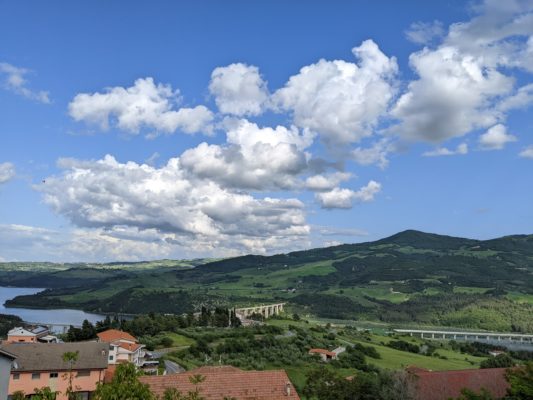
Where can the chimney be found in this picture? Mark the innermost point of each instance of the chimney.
(288, 389)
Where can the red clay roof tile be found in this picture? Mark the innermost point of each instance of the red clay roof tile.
(442, 385)
(228, 381)
(322, 351)
(114, 334)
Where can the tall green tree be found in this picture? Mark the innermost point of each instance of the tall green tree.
(44, 393)
(18, 395)
(467, 394)
(175, 394)
(520, 382)
(125, 385)
(500, 361)
(70, 357)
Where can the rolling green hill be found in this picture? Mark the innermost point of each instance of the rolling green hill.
(409, 278)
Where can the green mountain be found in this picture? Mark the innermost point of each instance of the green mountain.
(409, 278)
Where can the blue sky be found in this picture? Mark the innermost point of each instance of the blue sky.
(144, 130)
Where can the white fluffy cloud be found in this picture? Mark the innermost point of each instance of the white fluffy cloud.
(107, 194)
(465, 83)
(496, 138)
(500, 33)
(522, 98)
(144, 105)
(339, 100)
(424, 32)
(16, 82)
(238, 89)
(345, 198)
(375, 154)
(527, 152)
(451, 98)
(461, 149)
(7, 172)
(22, 243)
(326, 182)
(253, 157)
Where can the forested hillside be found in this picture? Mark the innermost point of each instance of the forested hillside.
(409, 278)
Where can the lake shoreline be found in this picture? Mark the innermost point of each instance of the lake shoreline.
(58, 315)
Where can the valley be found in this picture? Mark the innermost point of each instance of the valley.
(409, 279)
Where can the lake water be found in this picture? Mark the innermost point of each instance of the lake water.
(59, 317)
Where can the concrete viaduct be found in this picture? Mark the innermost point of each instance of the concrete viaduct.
(264, 310)
(470, 336)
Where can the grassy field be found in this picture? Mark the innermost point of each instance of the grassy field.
(521, 298)
(395, 359)
(380, 291)
(178, 340)
(470, 290)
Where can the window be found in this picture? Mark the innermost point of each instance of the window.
(82, 395)
(16, 377)
(111, 357)
(36, 375)
(84, 373)
(53, 374)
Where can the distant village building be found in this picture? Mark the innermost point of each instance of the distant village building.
(443, 385)
(226, 381)
(38, 365)
(30, 335)
(328, 355)
(124, 348)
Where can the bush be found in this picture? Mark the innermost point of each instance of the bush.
(500, 361)
(404, 346)
(166, 342)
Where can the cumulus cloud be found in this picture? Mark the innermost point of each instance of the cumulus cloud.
(107, 194)
(339, 100)
(500, 33)
(522, 98)
(465, 83)
(326, 182)
(7, 172)
(375, 154)
(144, 105)
(23, 243)
(239, 89)
(527, 152)
(16, 82)
(496, 138)
(451, 98)
(424, 32)
(461, 149)
(253, 157)
(345, 198)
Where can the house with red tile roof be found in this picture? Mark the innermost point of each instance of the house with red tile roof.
(327, 355)
(112, 335)
(227, 381)
(443, 385)
(123, 347)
